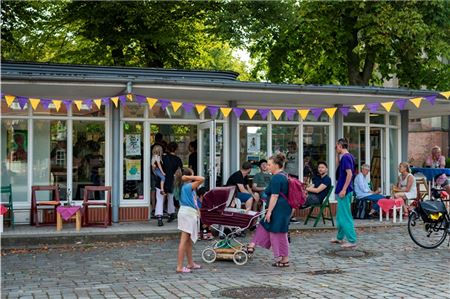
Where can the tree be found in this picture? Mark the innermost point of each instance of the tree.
(356, 43)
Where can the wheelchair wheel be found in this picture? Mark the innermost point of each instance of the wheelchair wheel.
(424, 234)
(209, 255)
(240, 258)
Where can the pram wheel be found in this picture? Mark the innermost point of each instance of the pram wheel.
(240, 258)
(209, 255)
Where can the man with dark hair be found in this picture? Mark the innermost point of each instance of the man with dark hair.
(320, 186)
(244, 193)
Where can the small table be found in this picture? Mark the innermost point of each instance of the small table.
(387, 204)
(67, 213)
(430, 174)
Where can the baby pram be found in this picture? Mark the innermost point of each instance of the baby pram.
(217, 213)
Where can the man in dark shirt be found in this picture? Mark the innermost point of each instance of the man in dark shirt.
(320, 186)
(244, 193)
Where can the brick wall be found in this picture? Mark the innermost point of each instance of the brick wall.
(420, 144)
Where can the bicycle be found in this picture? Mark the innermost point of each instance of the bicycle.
(429, 224)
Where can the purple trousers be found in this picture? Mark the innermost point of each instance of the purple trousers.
(278, 241)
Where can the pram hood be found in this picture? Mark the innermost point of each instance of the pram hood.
(218, 198)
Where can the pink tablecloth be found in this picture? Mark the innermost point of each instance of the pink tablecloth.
(67, 212)
(388, 203)
(3, 210)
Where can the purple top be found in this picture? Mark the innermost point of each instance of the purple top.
(347, 162)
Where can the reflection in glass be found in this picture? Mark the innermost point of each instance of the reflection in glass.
(354, 117)
(133, 160)
(252, 144)
(284, 140)
(87, 111)
(356, 137)
(393, 155)
(315, 149)
(14, 109)
(376, 157)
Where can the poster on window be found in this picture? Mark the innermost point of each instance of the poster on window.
(253, 143)
(133, 145)
(133, 169)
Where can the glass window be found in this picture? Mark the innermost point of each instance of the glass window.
(354, 117)
(88, 157)
(377, 154)
(133, 160)
(356, 137)
(14, 109)
(376, 118)
(285, 140)
(87, 111)
(393, 119)
(393, 155)
(14, 158)
(50, 155)
(322, 118)
(50, 110)
(220, 181)
(253, 143)
(315, 149)
(158, 112)
(134, 110)
(218, 115)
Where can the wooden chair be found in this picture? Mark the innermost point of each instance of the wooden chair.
(106, 203)
(9, 204)
(35, 204)
(421, 192)
(325, 205)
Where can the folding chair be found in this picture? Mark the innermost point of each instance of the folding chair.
(9, 204)
(35, 204)
(325, 205)
(97, 203)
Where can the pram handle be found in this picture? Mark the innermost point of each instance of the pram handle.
(213, 208)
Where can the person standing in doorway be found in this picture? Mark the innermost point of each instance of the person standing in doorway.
(344, 193)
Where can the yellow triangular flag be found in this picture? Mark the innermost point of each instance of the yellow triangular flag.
(78, 103)
(330, 112)
(277, 113)
(303, 113)
(200, 108)
(251, 112)
(9, 100)
(98, 103)
(58, 103)
(176, 106)
(416, 101)
(151, 102)
(446, 94)
(34, 103)
(115, 100)
(225, 111)
(359, 108)
(130, 97)
(387, 105)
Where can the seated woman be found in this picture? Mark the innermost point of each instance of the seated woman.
(406, 186)
(437, 160)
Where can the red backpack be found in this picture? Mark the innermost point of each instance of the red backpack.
(297, 192)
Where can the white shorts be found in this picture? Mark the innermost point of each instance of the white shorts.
(189, 222)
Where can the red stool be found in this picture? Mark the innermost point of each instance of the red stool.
(97, 203)
(35, 204)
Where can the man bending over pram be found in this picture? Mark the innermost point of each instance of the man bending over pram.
(244, 193)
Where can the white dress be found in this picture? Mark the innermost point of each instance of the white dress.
(412, 194)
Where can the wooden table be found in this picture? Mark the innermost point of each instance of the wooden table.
(75, 214)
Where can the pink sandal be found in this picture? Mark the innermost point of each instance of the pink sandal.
(194, 266)
(184, 270)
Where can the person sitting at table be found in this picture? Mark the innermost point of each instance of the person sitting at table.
(363, 192)
(406, 186)
(320, 186)
(437, 160)
(240, 180)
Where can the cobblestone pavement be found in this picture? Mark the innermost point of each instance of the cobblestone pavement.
(396, 268)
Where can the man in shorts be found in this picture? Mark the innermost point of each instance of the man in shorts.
(240, 180)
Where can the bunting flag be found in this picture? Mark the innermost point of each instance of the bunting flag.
(387, 105)
(359, 108)
(264, 113)
(416, 101)
(316, 112)
(34, 103)
(46, 102)
(225, 111)
(57, 104)
(98, 103)
(123, 100)
(164, 103)
(200, 108)
(431, 99)
(446, 94)
(303, 113)
(276, 113)
(139, 99)
(213, 110)
(251, 112)
(68, 103)
(23, 102)
(238, 111)
(176, 106)
(344, 110)
(9, 100)
(188, 107)
(130, 97)
(106, 101)
(373, 107)
(151, 102)
(79, 103)
(289, 113)
(330, 112)
(115, 100)
(401, 103)
(88, 103)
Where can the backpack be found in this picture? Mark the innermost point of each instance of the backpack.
(297, 192)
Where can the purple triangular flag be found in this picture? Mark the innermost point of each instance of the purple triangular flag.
(316, 112)
(164, 103)
(213, 110)
(67, 103)
(431, 99)
(88, 103)
(188, 107)
(238, 111)
(263, 113)
(139, 99)
(289, 113)
(3, 95)
(344, 110)
(373, 107)
(106, 101)
(123, 100)
(22, 102)
(45, 103)
(401, 103)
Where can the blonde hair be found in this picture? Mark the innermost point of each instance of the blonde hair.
(406, 165)
(157, 150)
(435, 149)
